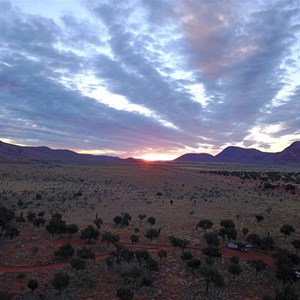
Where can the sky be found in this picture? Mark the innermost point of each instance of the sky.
(151, 79)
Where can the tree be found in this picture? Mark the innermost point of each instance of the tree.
(6, 215)
(20, 219)
(234, 269)
(142, 216)
(179, 242)
(127, 216)
(32, 285)
(222, 234)
(38, 222)
(285, 262)
(291, 188)
(118, 220)
(151, 220)
(205, 224)
(128, 255)
(193, 263)
(283, 256)
(119, 252)
(134, 272)
(245, 231)
(267, 243)
(77, 263)
(89, 233)
(41, 214)
(152, 234)
(109, 262)
(5, 296)
(212, 239)
(56, 225)
(296, 244)
(72, 229)
(287, 293)
(211, 251)
(12, 231)
(141, 256)
(228, 230)
(109, 237)
(162, 253)
(259, 218)
(185, 256)
(86, 253)
(211, 275)
(61, 281)
(259, 265)
(227, 223)
(98, 222)
(209, 261)
(287, 230)
(65, 251)
(125, 294)
(38, 196)
(234, 260)
(56, 216)
(231, 233)
(146, 281)
(151, 264)
(124, 221)
(285, 273)
(31, 216)
(254, 239)
(134, 239)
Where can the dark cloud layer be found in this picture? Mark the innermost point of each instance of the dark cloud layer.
(241, 57)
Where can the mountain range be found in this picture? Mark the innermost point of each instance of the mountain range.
(14, 153)
(231, 154)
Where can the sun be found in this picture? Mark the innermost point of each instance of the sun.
(158, 156)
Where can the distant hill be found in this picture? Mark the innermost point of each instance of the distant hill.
(241, 155)
(290, 155)
(194, 157)
(13, 153)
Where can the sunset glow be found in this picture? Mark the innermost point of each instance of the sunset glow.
(158, 156)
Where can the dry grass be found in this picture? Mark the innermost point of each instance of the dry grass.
(79, 192)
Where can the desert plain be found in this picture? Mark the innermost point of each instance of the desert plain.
(177, 195)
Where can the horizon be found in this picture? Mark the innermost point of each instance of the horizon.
(150, 79)
(150, 158)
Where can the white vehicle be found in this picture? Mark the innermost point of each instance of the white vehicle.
(243, 249)
(233, 246)
(297, 273)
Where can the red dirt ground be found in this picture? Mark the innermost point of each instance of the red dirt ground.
(226, 252)
(252, 254)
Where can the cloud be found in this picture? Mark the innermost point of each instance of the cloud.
(242, 57)
(38, 107)
(239, 57)
(286, 115)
